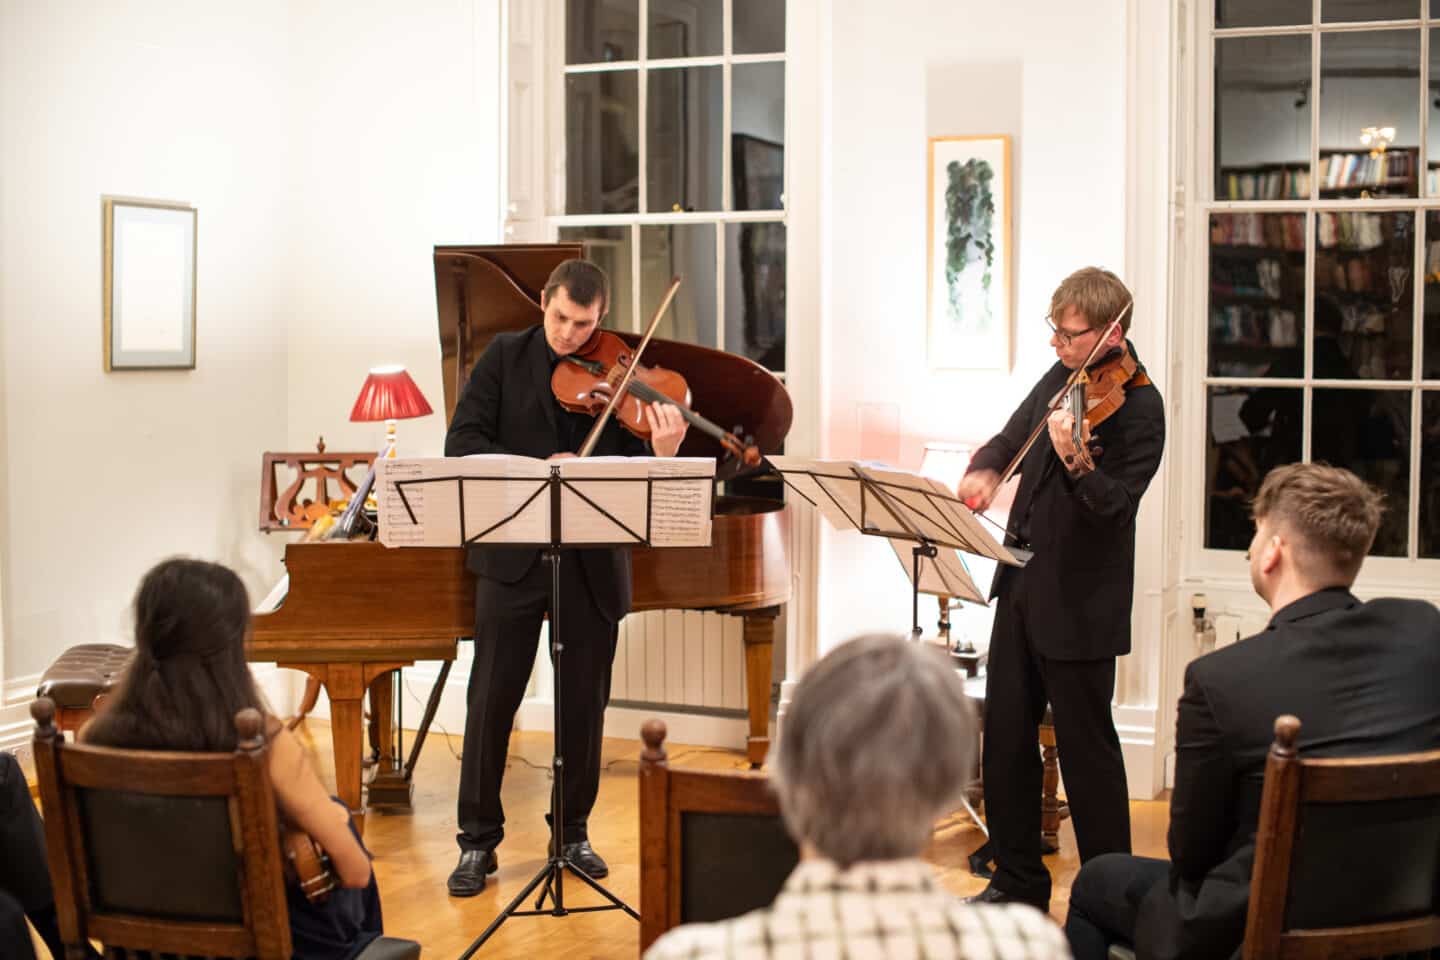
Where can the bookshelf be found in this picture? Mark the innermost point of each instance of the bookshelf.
(1343, 173)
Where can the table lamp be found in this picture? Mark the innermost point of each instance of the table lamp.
(389, 394)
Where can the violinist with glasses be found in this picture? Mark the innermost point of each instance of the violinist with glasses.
(1085, 442)
(510, 406)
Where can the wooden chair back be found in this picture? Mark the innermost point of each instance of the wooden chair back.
(1347, 855)
(712, 845)
(164, 852)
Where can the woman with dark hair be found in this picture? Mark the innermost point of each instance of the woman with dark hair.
(181, 692)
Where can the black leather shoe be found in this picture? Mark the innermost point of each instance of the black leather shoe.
(582, 855)
(992, 894)
(468, 878)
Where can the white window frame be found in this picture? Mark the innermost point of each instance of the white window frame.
(1408, 574)
(555, 219)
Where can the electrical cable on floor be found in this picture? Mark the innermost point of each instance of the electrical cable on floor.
(451, 746)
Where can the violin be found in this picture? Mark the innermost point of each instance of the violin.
(1080, 399)
(307, 865)
(1096, 393)
(606, 369)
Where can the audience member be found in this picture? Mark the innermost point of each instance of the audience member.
(25, 889)
(188, 680)
(876, 745)
(1360, 676)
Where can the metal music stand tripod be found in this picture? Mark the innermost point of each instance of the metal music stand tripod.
(552, 874)
(589, 504)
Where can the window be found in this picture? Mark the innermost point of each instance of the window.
(1323, 299)
(675, 164)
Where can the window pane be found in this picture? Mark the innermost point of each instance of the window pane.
(602, 162)
(1432, 103)
(755, 292)
(1430, 358)
(609, 249)
(602, 30)
(1262, 13)
(1370, 97)
(687, 251)
(1262, 117)
(1257, 294)
(1364, 295)
(1430, 474)
(683, 28)
(759, 26)
(757, 102)
(1368, 432)
(1250, 430)
(683, 126)
(1336, 11)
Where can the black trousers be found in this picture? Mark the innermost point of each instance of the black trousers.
(1019, 683)
(1105, 901)
(24, 868)
(507, 623)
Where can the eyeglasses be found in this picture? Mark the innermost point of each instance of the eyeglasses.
(1065, 337)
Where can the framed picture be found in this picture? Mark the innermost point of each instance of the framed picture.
(969, 312)
(149, 284)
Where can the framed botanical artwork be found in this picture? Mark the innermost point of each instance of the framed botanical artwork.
(969, 258)
(149, 284)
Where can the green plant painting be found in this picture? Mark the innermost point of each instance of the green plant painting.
(969, 245)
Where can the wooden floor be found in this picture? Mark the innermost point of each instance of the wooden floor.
(415, 852)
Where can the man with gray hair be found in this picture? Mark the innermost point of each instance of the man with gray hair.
(876, 746)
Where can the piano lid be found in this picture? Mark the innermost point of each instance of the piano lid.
(484, 290)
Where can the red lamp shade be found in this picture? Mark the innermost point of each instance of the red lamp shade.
(389, 394)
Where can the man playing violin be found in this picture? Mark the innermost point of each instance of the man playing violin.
(1062, 619)
(508, 406)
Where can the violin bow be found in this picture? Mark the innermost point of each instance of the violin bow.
(1060, 398)
(594, 435)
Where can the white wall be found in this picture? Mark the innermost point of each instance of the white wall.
(327, 148)
(140, 101)
(902, 72)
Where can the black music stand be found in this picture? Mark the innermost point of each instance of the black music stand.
(554, 487)
(905, 509)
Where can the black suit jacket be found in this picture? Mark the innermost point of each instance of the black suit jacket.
(1082, 531)
(508, 407)
(1361, 678)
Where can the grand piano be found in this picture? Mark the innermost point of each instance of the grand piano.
(356, 611)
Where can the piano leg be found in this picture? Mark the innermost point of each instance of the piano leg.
(345, 684)
(759, 633)
(388, 785)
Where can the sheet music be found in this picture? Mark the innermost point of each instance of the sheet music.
(682, 501)
(444, 501)
(898, 504)
(498, 498)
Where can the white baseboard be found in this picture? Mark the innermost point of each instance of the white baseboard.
(15, 723)
(1136, 726)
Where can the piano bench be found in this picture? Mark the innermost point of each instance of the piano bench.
(81, 674)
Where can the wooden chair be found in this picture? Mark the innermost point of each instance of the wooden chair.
(169, 852)
(712, 845)
(1347, 855)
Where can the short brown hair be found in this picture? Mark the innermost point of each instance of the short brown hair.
(1098, 294)
(1332, 513)
(583, 281)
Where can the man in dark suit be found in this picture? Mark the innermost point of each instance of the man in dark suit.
(1061, 620)
(508, 407)
(1360, 676)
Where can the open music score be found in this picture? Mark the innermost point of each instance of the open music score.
(498, 498)
(904, 508)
